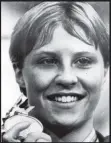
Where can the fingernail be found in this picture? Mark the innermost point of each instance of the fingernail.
(42, 140)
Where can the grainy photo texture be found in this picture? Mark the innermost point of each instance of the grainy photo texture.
(55, 71)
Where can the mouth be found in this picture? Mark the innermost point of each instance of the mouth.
(65, 97)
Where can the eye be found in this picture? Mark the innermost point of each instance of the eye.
(84, 62)
(48, 61)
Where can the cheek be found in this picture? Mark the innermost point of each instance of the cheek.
(38, 79)
(92, 79)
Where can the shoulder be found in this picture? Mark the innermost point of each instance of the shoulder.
(102, 138)
(107, 139)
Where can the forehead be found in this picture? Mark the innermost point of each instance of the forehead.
(64, 45)
(63, 41)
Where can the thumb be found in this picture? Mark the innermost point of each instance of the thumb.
(14, 131)
(43, 140)
(45, 137)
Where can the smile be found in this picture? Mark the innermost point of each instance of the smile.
(65, 98)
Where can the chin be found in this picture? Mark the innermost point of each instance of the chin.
(65, 121)
(61, 126)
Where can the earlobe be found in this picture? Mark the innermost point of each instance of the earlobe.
(105, 75)
(105, 72)
(19, 76)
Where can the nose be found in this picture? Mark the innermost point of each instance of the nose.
(66, 78)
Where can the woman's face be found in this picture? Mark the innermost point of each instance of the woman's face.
(63, 79)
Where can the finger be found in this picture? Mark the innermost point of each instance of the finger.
(14, 131)
(45, 137)
(42, 140)
(7, 138)
(32, 137)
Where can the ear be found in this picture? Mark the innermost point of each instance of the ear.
(105, 74)
(19, 76)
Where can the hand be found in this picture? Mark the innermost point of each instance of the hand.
(12, 135)
(33, 137)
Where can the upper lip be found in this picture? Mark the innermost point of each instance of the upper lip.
(79, 95)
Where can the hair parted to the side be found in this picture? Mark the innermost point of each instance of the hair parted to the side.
(35, 29)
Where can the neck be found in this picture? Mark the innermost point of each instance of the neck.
(78, 134)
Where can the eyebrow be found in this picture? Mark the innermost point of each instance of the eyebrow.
(84, 53)
(45, 53)
(55, 53)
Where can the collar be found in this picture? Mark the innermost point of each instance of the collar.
(92, 137)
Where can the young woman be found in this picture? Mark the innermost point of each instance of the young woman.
(59, 51)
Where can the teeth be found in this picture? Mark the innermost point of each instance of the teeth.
(66, 99)
(72, 98)
(59, 99)
(69, 99)
(75, 98)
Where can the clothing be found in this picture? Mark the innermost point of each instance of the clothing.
(102, 138)
(22, 105)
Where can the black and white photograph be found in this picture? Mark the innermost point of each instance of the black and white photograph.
(55, 71)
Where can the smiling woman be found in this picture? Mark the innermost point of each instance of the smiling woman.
(58, 49)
